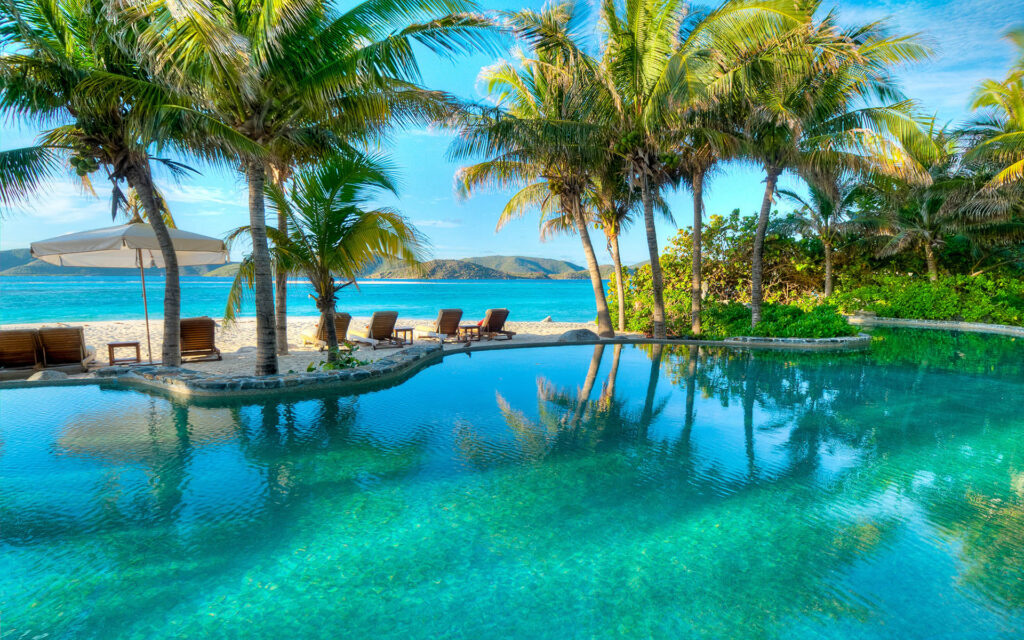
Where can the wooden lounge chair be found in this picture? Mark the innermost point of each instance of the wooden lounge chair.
(19, 353)
(446, 327)
(318, 338)
(493, 325)
(380, 333)
(64, 348)
(198, 339)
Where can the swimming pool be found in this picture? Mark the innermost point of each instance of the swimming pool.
(536, 493)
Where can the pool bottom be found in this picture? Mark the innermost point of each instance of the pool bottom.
(571, 492)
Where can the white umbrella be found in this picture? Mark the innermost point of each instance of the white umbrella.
(129, 245)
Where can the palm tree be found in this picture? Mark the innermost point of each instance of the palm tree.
(614, 207)
(331, 232)
(611, 205)
(662, 59)
(814, 111)
(705, 140)
(134, 211)
(952, 200)
(74, 69)
(541, 136)
(823, 214)
(1003, 128)
(297, 77)
(23, 171)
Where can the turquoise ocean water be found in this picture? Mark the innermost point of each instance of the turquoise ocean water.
(569, 492)
(59, 299)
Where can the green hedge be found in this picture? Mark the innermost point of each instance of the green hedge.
(965, 298)
(726, 320)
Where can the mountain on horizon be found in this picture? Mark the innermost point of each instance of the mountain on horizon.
(19, 262)
(526, 265)
(440, 270)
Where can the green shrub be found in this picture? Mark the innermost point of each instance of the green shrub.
(967, 298)
(731, 319)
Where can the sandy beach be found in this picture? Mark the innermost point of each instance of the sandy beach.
(238, 342)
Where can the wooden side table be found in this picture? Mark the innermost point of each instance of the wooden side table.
(123, 345)
(469, 332)
(404, 333)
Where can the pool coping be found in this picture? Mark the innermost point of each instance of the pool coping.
(402, 365)
(945, 325)
(842, 343)
(383, 373)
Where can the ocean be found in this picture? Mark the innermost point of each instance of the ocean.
(29, 299)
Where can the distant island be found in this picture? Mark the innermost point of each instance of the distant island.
(19, 262)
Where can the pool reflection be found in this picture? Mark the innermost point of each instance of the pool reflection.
(606, 490)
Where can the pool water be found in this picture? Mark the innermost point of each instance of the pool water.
(570, 492)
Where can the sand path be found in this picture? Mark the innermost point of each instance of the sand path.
(237, 343)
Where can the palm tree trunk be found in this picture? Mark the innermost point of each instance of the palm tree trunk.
(327, 313)
(281, 296)
(278, 173)
(609, 389)
(620, 287)
(691, 387)
(749, 396)
(595, 364)
(695, 268)
(828, 269)
(647, 414)
(657, 283)
(604, 321)
(140, 179)
(757, 262)
(263, 277)
(933, 266)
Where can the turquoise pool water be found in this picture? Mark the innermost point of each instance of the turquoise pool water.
(568, 492)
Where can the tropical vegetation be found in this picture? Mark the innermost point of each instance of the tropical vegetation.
(263, 87)
(539, 138)
(332, 236)
(67, 64)
(595, 117)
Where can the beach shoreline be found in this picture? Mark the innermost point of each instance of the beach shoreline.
(238, 342)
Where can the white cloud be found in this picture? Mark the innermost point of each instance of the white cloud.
(196, 194)
(65, 202)
(447, 223)
(967, 42)
(204, 213)
(428, 132)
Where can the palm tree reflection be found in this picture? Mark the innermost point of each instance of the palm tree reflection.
(567, 420)
(667, 469)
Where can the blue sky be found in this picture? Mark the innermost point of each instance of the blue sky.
(969, 48)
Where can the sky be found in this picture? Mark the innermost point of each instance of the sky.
(966, 36)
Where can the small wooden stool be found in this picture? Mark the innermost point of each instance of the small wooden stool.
(404, 334)
(469, 332)
(123, 345)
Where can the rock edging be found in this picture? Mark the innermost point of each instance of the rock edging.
(859, 341)
(188, 382)
(946, 325)
(389, 370)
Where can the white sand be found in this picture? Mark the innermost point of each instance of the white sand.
(238, 343)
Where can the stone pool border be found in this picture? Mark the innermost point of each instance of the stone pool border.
(844, 343)
(388, 371)
(946, 325)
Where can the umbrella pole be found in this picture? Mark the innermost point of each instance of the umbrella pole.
(145, 306)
